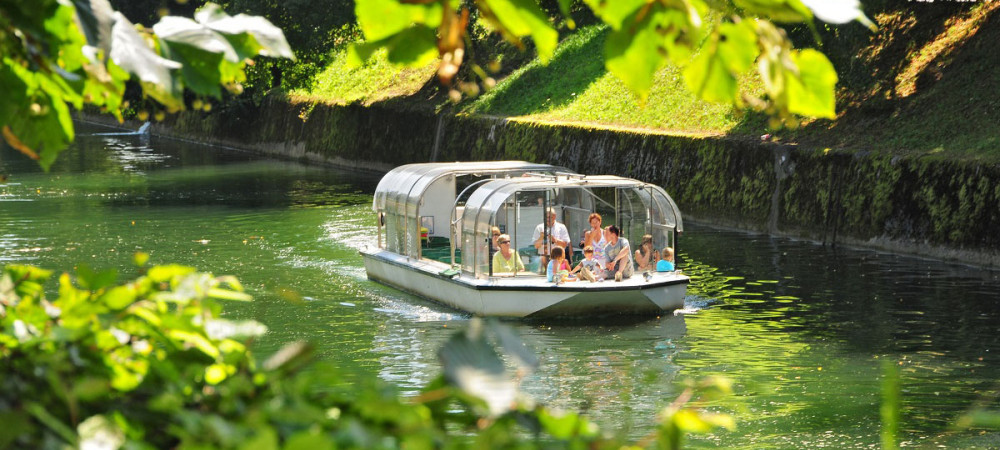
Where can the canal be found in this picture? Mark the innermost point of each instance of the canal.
(802, 330)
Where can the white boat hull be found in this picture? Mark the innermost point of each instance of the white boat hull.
(526, 296)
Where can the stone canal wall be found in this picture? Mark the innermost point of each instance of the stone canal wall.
(918, 205)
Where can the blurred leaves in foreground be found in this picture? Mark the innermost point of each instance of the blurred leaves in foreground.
(149, 363)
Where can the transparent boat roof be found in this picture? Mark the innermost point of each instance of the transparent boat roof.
(489, 198)
(403, 187)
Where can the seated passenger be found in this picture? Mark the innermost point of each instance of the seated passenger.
(646, 257)
(506, 260)
(589, 267)
(667, 263)
(558, 270)
(495, 231)
(556, 234)
(618, 254)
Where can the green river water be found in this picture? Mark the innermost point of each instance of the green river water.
(799, 328)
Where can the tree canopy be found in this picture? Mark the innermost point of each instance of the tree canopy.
(716, 42)
(62, 53)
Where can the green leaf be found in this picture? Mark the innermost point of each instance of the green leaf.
(380, 19)
(53, 423)
(359, 52)
(472, 365)
(65, 39)
(564, 8)
(525, 18)
(216, 373)
(119, 297)
(415, 46)
(265, 439)
(90, 388)
(690, 422)
(40, 124)
(96, 19)
(181, 30)
(161, 274)
(632, 54)
(615, 13)
(200, 342)
(787, 11)
(130, 52)
(712, 75)
(268, 40)
(708, 78)
(140, 258)
(200, 69)
(226, 294)
(738, 47)
(91, 280)
(811, 92)
(565, 425)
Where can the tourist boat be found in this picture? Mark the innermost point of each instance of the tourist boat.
(434, 237)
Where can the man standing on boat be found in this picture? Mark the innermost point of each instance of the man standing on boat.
(555, 232)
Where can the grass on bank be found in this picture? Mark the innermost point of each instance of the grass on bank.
(575, 87)
(374, 81)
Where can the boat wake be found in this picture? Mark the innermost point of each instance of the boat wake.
(694, 304)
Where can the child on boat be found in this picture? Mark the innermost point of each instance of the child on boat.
(667, 263)
(558, 269)
(589, 266)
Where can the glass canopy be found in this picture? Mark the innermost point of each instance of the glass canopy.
(449, 211)
(416, 202)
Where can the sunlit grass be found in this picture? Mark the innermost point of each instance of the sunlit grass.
(376, 80)
(575, 87)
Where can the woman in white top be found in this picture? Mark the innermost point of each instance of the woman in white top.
(595, 238)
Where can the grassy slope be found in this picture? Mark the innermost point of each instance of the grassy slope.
(574, 86)
(378, 80)
(923, 84)
(928, 85)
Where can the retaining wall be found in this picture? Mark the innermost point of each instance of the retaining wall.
(921, 205)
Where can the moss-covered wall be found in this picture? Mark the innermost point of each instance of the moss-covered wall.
(917, 205)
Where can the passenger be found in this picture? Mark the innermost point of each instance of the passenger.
(495, 231)
(557, 236)
(595, 237)
(667, 263)
(558, 270)
(646, 256)
(589, 267)
(506, 260)
(619, 255)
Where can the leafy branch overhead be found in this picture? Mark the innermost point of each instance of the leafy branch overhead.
(716, 43)
(58, 53)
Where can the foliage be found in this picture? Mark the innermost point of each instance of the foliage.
(150, 364)
(645, 36)
(61, 53)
